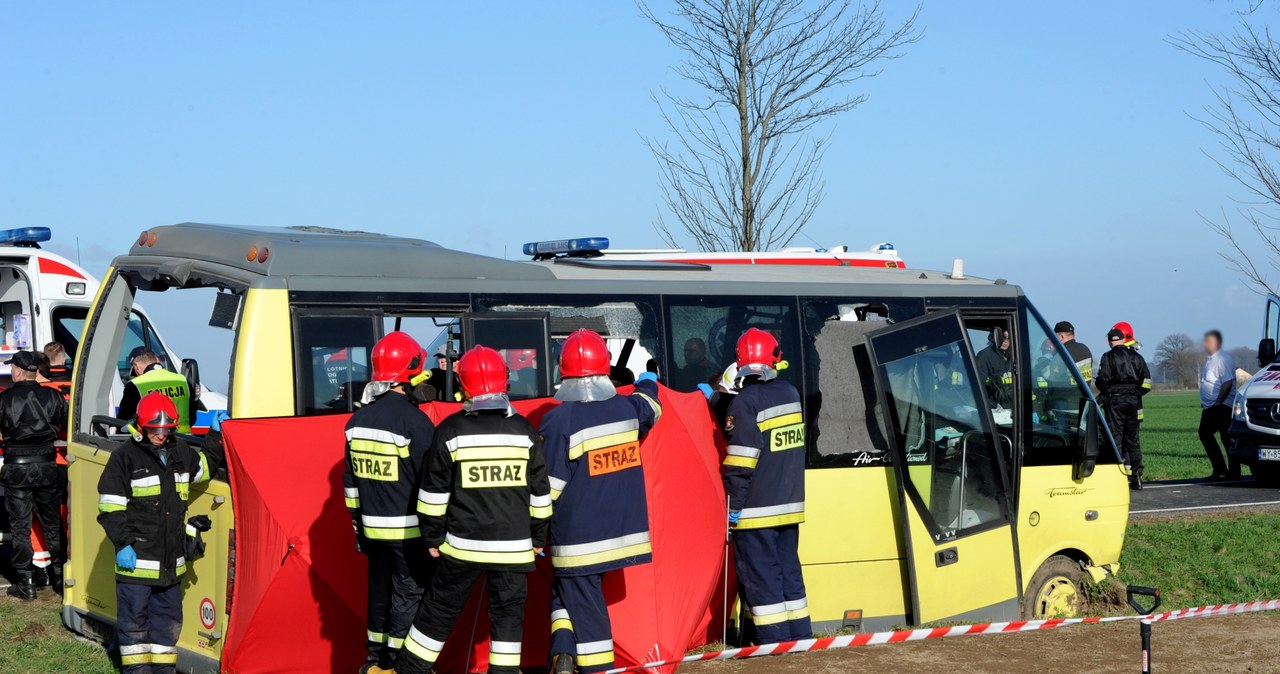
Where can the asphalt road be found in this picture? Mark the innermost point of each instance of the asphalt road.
(1177, 497)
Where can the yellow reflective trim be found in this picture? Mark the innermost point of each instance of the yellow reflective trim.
(504, 659)
(421, 651)
(603, 441)
(555, 494)
(540, 512)
(523, 557)
(146, 491)
(110, 508)
(381, 534)
(164, 658)
(378, 447)
(657, 407)
(602, 557)
(784, 420)
(771, 521)
(561, 624)
(488, 453)
(798, 613)
(139, 573)
(184, 490)
(595, 659)
(740, 461)
(771, 619)
(205, 476)
(433, 510)
(138, 659)
(353, 503)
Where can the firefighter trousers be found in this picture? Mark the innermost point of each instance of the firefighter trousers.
(768, 566)
(398, 573)
(34, 491)
(450, 589)
(580, 622)
(148, 621)
(1122, 416)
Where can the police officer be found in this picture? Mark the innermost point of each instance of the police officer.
(387, 442)
(995, 368)
(149, 375)
(142, 505)
(1122, 379)
(485, 503)
(1079, 353)
(764, 479)
(31, 421)
(601, 519)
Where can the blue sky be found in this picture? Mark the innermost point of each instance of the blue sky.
(1047, 144)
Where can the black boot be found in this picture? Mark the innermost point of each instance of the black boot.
(24, 589)
(55, 578)
(40, 578)
(562, 664)
(1135, 483)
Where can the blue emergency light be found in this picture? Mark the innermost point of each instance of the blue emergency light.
(542, 250)
(29, 236)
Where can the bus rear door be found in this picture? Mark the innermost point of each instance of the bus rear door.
(952, 484)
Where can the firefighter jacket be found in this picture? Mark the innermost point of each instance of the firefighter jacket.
(142, 501)
(387, 442)
(156, 378)
(764, 467)
(995, 371)
(31, 419)
(1083, 358)
(1123, 372)
(601, 518)
(484, 496)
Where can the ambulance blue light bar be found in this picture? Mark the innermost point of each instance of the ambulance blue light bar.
(547, 249)
(28, 235)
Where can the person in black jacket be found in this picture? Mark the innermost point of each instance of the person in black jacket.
(31, 420)
(995, 369)
(1080, 353)
(1122, 379)
(485, 502)
(142, 505)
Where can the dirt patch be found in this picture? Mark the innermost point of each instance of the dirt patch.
(1231, 645)
(32, 631)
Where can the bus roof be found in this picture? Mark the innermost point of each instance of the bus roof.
(321, 259)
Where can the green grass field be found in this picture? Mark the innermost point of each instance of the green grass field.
(1170, 447)
(33, 641)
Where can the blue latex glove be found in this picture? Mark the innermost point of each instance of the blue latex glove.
(734, 515)
(706, 390)
(127, 559)
(647, 376)
(218, 417)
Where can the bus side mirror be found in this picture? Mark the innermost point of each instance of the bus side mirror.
(191, 372)
(1266, 352)
(1087, 457)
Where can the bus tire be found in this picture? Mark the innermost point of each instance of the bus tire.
(1055, 591)
(1267, 473)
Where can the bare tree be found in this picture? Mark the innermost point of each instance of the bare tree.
(1246, 120)
(1178, 360)
(741, 168)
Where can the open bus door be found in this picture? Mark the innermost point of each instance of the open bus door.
(1270, 332)
(952, 485)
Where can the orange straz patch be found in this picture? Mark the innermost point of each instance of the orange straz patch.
(613, 459)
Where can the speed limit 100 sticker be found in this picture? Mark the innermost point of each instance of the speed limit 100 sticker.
(208, 615)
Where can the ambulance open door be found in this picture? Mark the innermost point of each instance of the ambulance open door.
(952, 485)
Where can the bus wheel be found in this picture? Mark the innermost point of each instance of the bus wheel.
(1054, 591)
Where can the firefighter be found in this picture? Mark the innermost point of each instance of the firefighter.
(601, 519)
(995, 368)
(1122, 379)
(142, 505)
(764, 479)
(1127, 330)
(31, 421)
(150, 375)
(1079, 353)
(387, 441)
(485, 503)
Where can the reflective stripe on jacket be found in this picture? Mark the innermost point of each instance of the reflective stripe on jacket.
(764, 467)
(387, 443)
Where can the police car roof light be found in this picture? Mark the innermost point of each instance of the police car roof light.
(25, 236)
(584, 247)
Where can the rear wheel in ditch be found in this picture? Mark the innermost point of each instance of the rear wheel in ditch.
(1055, 591)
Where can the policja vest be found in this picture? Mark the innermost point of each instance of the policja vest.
(171, 384)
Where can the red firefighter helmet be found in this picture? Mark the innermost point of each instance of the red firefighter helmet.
(584, 354)
(757, 347)
(482, 371)
(397, 358)
(520, 359)
(156, 410)
(1124, 327)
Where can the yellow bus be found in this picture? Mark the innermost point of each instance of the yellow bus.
(935, 492)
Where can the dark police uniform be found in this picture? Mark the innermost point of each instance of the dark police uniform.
(485, 503)
(995, 371)
(142, 502)
(1122, 379)
(387, 443)
(601, 519)
(31, 421)
(764, 479)
(1082, 357)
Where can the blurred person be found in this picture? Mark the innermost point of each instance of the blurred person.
(1123, 379)
(59, 363)
(1079, 353)
(698, 369)
(1217, 383)
(149, 374)
(995, 368)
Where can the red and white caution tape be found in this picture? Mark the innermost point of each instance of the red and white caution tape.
(874, 638)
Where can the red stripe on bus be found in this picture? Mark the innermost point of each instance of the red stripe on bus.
(48, 266)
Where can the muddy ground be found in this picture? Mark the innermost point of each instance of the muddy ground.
(1228, 644)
